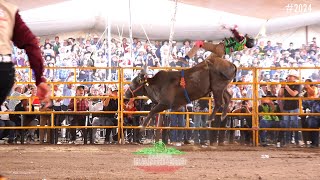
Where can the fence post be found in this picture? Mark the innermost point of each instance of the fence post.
(255, 117)
(120, 106)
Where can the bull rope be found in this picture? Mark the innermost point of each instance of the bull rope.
(183, 85)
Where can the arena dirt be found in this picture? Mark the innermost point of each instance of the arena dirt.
(116, 162)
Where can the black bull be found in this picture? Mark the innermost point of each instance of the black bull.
(212, 75)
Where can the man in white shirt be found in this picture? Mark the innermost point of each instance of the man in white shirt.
(16, 93)
(5, 121)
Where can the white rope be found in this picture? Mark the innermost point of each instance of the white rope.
(122, 31)
(262, 31)
(101, 36)
(120, 34)
(173, 20)
(145, 34)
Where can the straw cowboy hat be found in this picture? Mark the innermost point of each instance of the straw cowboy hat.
(293, 73)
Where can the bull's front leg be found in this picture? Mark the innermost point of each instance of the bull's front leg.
(158, 108)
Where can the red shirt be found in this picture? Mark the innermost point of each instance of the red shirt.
(82, 105)
(36, 101)
(23, 38)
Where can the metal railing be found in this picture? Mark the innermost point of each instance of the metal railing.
(121, 112)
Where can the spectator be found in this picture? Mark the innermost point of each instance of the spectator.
(310, 91)
(25, 120)
(200, 136)
(109, 104)
(290, 106)
(268, 47)
(314, 122)
(17, 92)
(268, 121)
(78, 120)
(5, 121)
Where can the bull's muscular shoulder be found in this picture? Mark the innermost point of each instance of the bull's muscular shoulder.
(164, 76)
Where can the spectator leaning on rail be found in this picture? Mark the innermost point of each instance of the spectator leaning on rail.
(12, 28)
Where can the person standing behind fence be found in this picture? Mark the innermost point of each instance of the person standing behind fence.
(314, 122)
(13, 29)
(109, 119)
(310, 91)
(81, 105)
(200, 120)
(290, 106)
(268, 121)
(5, 121)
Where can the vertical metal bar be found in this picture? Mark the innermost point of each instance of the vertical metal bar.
(255, 121)
(120, 106)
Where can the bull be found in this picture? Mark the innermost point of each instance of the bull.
(164, 89)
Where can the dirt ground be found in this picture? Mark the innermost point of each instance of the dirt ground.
(117, 162)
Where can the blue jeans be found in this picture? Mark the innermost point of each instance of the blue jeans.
(177, 120)
(267, 124)
(8, 123)
(314, 122)
(200, 121)
(290, 122)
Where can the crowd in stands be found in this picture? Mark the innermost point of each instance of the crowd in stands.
(78, 52)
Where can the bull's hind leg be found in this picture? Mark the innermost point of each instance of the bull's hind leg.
(227, 99)
(218, 102)
(158, 108)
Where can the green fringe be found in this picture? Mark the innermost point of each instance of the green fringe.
(159, 148)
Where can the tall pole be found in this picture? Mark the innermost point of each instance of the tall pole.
(109, 47)
(307, 35)
(130, 32)
(173, 20)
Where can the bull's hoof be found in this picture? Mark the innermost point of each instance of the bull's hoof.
(209, 121)
(223, 117)
(142, 128)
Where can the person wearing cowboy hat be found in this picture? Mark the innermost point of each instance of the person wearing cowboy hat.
(290, 106)
(268, 121)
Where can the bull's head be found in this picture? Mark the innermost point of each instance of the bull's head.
(136, 87)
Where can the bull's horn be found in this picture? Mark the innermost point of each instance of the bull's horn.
(145, 68)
